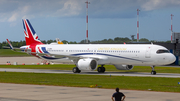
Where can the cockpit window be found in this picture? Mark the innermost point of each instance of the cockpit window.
(162, 51)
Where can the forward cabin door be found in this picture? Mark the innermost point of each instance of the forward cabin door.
(148, 52)
(94, 51)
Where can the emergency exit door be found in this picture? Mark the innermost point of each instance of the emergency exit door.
(148, 52)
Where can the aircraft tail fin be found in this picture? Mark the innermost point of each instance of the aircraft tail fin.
(30, 34)
(59, 41)
(11, 47)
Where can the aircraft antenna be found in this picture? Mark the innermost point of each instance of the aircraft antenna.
(171, 27)
(138, 25)
(87, 20)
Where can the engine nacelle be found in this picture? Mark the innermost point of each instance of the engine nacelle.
(124, 67)
(87, 64)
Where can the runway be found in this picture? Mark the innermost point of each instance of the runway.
(168, 75)
(25, 92)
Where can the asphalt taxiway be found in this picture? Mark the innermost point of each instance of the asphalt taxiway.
(20, 60)
(24, 92)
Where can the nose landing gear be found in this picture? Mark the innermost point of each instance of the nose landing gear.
(153, 72)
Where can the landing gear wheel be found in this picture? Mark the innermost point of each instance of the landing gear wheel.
(153, 72)
(76, 70)
(101, 69)
(79, 71)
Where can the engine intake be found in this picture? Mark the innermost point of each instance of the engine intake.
(124, 67)
(87, 64)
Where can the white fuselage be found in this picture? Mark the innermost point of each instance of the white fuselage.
(126, 54)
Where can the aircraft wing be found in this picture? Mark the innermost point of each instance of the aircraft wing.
(71, 57)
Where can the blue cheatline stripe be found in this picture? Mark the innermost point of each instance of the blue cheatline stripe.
(107, 55)
(82, 54)
(44, 50)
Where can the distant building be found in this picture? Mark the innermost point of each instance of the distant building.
(176, 37)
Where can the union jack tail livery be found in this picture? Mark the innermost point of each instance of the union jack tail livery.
(30, 34)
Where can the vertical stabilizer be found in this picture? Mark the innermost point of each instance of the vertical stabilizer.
(30, 34)
(59, 41)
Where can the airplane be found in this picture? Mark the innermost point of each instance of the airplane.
(89, 56)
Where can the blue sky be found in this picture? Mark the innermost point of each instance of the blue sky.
(66, 19)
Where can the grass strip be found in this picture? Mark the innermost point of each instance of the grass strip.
(110, 82)
(10, 53)
(108, 68)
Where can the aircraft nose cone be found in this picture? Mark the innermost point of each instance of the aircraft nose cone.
(173, 58)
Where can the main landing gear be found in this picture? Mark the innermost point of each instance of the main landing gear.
(153, 72)
(101, 69)
(76, 70)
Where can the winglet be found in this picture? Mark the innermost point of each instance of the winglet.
(10, 44)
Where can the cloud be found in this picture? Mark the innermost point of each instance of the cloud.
(11, 10)
(159, 4)
(70, 8)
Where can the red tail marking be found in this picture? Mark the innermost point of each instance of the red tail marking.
(40, 50)
(30, 40)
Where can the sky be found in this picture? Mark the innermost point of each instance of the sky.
(66, 19)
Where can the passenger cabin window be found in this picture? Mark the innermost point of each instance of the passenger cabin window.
(162, 51)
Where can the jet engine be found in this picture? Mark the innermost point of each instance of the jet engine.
(124, 67)
(87, 64)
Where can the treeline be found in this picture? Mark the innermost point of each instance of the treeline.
(23, 43)
(117, 40)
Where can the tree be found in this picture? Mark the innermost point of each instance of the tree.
(144, 40)
(65, 42)
(50, 41)
(44, 41)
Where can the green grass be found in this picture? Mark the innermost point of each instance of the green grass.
(76, 80)
(10, 53)
(110, 68)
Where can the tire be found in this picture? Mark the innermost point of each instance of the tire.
(79, 71)
(103, 69)
(153, 72)
(74, 70)
(99, 69)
